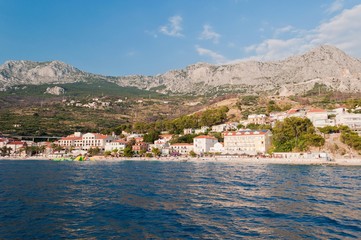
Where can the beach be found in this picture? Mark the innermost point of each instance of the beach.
(220, 159)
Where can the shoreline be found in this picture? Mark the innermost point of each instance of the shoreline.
(218, 159)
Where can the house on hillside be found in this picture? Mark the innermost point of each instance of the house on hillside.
(319, 118)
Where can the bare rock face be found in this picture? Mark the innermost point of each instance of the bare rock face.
(55, 90)
(27, 72)
(323, 65)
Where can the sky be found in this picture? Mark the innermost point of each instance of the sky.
(149, 37)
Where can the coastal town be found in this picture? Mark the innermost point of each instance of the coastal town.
(222, 140)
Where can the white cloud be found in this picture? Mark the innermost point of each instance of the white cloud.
(209, 34)
(342, 31)
(336, 6)
(216, 57)
(173, 28)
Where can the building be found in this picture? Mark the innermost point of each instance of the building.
(247, 142)
(319, 118)
(140, 146)
(85, 141)
(188, 131)
(16, 147)
(3, 142)
(117, 144)
(166, 137)
(181, 148)
(94, 140)
(257, 119)
(217, 148)
(75, 140)
(203, 143)
(203, 129)
(219, 128)
(352, 120)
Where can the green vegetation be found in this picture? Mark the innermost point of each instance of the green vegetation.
(295, 134)
(352, 139)
(206, 118)
(90, 87)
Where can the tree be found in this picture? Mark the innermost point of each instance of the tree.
(156, 152)
(93, 151)
(128, 152)
(5, 151)
(295, 134)
(107, 153)
(151, 136)
(192, 154)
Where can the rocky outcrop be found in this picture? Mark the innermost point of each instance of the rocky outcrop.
(323, 65)
(55, 90)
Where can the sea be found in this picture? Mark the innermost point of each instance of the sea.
(178, 200)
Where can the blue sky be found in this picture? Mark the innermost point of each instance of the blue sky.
(123, 37)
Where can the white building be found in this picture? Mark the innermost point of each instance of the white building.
(3, 142)
(247, 142)
(257, 118)
(352, 120)
(319, 118)
(188, 131)
(203, 143)
(93, 140)
(219, 128)
(160, 143)
(86, 141)
(181, 148)
(217, 148)
(203, 129)
(117, 144)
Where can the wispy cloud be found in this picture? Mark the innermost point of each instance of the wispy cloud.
(209, 34)
(342, 31)
(336, 6)
(214, 56)
(173, 27)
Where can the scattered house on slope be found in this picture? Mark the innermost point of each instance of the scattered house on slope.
(319, 118)
(203, 129)
(188, 131)
(352, 120)
(257, 118)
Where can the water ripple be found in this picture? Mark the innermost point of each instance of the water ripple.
(154, 200)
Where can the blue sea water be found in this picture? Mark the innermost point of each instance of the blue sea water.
(177, 200)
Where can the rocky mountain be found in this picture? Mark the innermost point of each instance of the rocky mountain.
(323, 65)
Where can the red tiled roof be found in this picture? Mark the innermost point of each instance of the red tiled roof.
(291, 111)
(316, 110)
(16, 143)
(100, 136)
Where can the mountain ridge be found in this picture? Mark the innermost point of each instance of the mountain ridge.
(325, 65)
